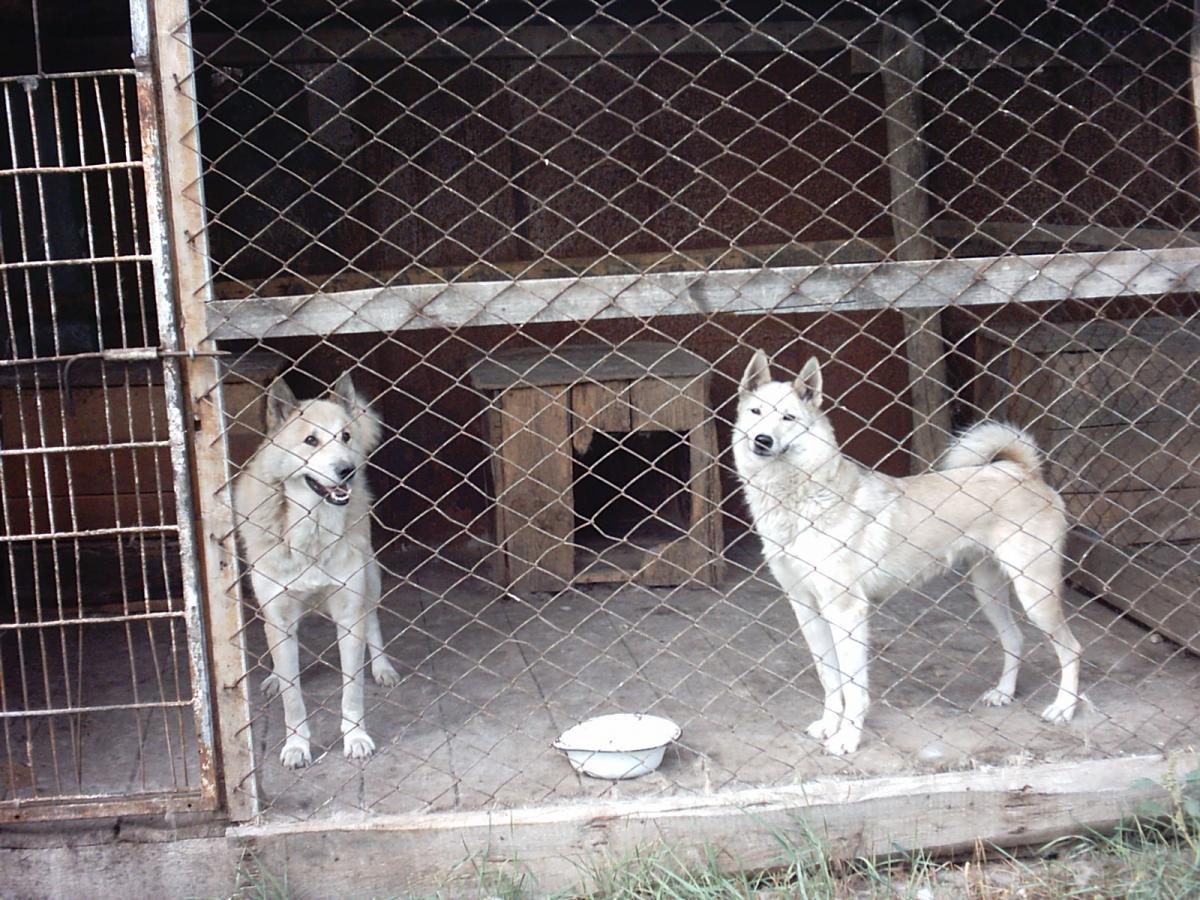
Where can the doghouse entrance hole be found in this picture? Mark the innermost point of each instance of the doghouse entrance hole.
(631, 498)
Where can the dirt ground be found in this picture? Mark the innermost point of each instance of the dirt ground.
(489, 680)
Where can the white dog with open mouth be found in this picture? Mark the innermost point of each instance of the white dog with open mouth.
(837, 535)
(303, 512)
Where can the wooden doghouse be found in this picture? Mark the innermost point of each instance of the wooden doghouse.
(1113, 403)
(578, 434)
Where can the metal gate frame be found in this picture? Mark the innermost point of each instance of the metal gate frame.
(170, 351)
(207, 796)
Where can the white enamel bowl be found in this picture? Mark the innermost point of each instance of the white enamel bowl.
(623, 745)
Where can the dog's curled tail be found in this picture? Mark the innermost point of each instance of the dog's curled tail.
(987, 442)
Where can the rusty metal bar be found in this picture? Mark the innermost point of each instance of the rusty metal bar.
(164, 293)
(109, 707)
(90, 620)
(72, 170)
(80, 448)
(80, 806)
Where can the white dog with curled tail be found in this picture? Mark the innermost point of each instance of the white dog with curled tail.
(837, 536)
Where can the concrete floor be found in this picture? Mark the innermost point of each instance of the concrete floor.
(490, 681)
(138, 735)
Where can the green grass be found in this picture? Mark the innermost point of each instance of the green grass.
(1155, 855)
(256, 882)
(1143, 859)
(1151, 857)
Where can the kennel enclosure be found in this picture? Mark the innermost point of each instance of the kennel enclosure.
(962, 210)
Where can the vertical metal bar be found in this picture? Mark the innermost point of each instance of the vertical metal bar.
(164, 286)
(52, 514)
(74, 723)
(128, 428)
(178, 199)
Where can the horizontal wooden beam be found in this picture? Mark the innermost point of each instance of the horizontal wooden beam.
(1154, 583)
(796, 289)
(1108, 237)
(556, 846)
(479, 42)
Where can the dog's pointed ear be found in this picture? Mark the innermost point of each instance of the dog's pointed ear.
(281, 403)
(808, 382)
(345, 393)
(757, 373)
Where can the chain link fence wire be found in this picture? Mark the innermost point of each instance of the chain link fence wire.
(544, 241)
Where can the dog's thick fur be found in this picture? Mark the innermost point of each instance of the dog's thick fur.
(837, 536)
(303, 521)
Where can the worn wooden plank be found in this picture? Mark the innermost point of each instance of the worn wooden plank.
(585, 362)
(831, 252)
(1168, 334)
(707, 524)
(1120, 386)
(598, 406)
(698, 555)
(1111, 403)
(1049, 376)
(1194, 68)
(188, 238)
(493, 566)
(1159, 584)
(114, 415)
(1111, 237)
(552, 845)
(1138, 517)
(1123, 458)
(95, 866)
(535, 488)
(802, 289)
(902, 67)
(667, 404)
(33, 515)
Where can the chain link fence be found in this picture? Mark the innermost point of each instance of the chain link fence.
(485, 282)
(543, 245)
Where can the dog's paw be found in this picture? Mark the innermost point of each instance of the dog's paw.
(824, 727)
(358, 744)
(384, 672)
(272, 685)
(295, 753)
(1060, 711)
(844, 740)
(996, 697)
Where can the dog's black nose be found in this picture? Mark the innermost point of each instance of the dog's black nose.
(346, 472)
(763, 442)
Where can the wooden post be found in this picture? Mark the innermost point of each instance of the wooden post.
(1195, 72)
(902, 65)
(189, 246)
